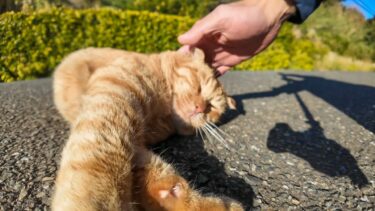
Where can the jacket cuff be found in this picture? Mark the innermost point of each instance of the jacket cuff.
(304, 8)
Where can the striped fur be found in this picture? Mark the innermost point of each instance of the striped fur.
(119, 102)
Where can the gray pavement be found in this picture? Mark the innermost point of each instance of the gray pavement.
(301, 141)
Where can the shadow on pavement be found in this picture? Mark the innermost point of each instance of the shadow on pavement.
(204, 171)
(356, 101)
(323, 154)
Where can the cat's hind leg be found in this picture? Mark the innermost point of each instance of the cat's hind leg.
(157, 186)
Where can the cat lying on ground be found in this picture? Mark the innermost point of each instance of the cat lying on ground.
(119, 102)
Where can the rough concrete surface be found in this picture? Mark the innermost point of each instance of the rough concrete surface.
(301, 141)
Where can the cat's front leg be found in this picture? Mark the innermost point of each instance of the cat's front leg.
(91, 177)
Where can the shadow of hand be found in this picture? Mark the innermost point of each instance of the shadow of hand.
(323, 154)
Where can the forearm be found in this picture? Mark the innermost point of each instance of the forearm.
(295, 11)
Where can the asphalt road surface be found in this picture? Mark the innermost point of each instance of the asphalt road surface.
(301, 141)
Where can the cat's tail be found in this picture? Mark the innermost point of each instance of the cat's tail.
(71, 77)
(70, 81)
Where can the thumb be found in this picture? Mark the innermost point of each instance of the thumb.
(191, 37)
(203, 27)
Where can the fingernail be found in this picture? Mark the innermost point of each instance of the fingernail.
(181, 38)
(223, 69)
(184, 49)
(217, 74)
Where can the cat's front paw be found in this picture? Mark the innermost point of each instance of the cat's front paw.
(235, 206)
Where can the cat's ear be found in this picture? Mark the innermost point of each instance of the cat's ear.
(231, 103)
(198, 54)
(176, 191)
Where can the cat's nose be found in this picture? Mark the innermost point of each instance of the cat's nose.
(200, 108)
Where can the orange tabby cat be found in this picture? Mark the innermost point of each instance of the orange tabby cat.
(117, 103)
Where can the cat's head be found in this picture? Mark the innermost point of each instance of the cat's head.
(198, 97)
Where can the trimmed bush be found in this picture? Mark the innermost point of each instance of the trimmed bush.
(32, 44)
(286, 52)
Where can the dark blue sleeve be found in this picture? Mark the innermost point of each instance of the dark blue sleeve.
(304, 9)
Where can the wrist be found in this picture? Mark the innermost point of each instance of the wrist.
(275, 10)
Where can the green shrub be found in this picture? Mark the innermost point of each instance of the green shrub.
(342, 30)
(274, 58)
(33, 44)
(286, 52)
(192, 8)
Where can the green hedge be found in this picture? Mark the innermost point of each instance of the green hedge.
(286, 52)
(32, 44)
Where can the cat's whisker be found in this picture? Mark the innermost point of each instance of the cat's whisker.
(162, 152)
(173, 163)
(226, 136)
(218, 138)
(207, 134)
(216, 135)
(200, 133)
(217, 129)
(159, 147)
(204, 132)
(220, 130)
(213, 132)
(193, 183)
(200, 190)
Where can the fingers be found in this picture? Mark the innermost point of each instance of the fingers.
(221, 70)
(185, 49)
(209, 35)
(194, 35)
(225, 58)
(206, 26)
(224, 61)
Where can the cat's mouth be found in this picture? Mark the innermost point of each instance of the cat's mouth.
(197, 120)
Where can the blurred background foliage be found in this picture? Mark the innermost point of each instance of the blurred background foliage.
(36, 35)
(32, 44)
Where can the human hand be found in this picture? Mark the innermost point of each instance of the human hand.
(237, 31)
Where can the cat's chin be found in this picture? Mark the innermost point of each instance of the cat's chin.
(190, 128)
(185, 131)
(182, 127)
(198, 120)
